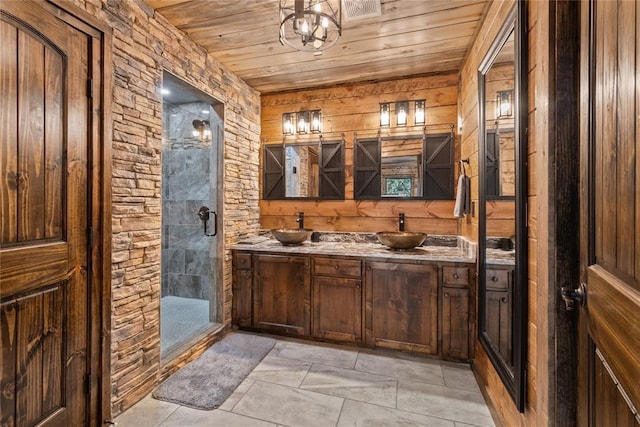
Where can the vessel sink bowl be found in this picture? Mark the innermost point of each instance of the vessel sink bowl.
(291, 236)
(401, 239)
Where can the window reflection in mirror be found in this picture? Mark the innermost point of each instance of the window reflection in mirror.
(401, 168)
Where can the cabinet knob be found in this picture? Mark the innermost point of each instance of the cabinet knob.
(494, 279)
(357, 286)
(446, 294)
(455, 276)
(337, 266)
(504, 300)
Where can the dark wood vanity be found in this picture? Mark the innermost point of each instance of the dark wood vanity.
(396, 302)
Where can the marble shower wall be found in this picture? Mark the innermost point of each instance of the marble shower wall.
(186, 186)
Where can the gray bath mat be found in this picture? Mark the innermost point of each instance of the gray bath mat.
(206, 382)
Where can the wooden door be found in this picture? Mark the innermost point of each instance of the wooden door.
(609, 324)
(337, 308)
(401, 306)
(44, 282)
(282, 294)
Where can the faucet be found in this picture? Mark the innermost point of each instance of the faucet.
(401, 222)
(300, 220)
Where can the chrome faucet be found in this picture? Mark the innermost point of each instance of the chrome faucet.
(401, 222)
(300, 220)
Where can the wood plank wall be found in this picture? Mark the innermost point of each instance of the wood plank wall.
(355, 108)
(537, 406)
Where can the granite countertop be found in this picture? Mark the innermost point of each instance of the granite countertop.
(443, 248)
(369, 250)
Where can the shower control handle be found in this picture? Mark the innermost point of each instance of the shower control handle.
(204, 213)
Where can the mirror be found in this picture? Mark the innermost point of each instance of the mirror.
(404, 167)
(502, 233)
(306, 170)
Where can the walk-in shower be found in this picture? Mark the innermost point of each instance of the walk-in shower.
(191, 165)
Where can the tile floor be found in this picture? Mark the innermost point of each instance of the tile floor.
(306, 384)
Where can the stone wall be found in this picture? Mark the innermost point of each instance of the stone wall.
(143, 45)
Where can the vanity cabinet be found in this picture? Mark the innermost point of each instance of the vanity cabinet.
(413, 305)
(455, 313)
(282, 293)
(401, 306)
(241, 306)
(337, 299)
(498, 303)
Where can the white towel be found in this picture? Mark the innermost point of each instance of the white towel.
(463, 198)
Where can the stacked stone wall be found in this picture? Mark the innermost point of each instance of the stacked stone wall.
(145, 44)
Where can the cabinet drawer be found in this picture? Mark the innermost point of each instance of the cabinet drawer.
(241, 261)
(498, 279)
(337, 267)
(455, 275)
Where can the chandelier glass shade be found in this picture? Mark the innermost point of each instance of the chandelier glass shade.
(310, 25)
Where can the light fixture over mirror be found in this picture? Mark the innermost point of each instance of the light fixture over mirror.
(201, 129)
(504, 104)
(402, 111)
(302, 122)
(311, 25)
(385, 115)
(419, 115)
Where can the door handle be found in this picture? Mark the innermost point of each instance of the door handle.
(204, 213)
(571, 296)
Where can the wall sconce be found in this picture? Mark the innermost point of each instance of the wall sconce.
(303, 122)
(418, 114)
(201, 129)
(385, 115)
(316, 121)
(402, 111)
(287, 124)
(504, 103)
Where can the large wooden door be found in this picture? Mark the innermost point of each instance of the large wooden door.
(609, 325)
(45, 131)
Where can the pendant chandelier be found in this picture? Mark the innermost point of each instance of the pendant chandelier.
(310, 25)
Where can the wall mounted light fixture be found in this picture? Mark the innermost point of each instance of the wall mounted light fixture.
(201, 129)
(288, 127)
(402, 112)
(302, 122)
(385, 115)
(504, 103)
(418, 113)
(316, 121)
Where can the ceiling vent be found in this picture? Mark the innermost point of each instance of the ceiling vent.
(353, 10)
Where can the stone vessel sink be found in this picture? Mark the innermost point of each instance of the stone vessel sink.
(291, 236)
(401, 239)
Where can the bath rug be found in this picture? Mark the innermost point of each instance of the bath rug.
(206, 382)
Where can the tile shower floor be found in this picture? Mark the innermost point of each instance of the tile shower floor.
(306, 384)
(181, 318)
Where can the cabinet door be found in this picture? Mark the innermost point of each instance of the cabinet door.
(402, 306)
(337, 309)
(498, 309)
(455, 323)
(241, 303)
(281, 294)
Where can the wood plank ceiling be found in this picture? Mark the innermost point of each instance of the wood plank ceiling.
(410, 37)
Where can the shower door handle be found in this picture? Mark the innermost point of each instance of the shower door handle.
(204, 213)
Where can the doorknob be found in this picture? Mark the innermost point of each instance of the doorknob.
(571, 296)
(204, 214)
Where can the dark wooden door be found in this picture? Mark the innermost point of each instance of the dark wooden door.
(401, 306)
(44, 131)
(609, 325)
(282, 294)
(337, 308)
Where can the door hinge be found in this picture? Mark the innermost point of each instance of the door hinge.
(87, 383)
(90, 88)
